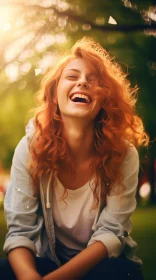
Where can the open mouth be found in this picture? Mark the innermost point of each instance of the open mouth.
(80, 98)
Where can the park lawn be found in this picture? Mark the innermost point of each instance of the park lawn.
(144, 232)
(3, 230)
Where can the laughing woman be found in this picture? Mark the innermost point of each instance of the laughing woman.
(74, 175)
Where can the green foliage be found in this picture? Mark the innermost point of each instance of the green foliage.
(135, 51)
(14, 109)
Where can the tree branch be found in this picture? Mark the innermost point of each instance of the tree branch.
(82, 20)
(36, 36)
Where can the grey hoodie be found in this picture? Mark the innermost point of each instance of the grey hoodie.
(29, 217)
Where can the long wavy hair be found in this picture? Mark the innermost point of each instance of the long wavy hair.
(116, 125)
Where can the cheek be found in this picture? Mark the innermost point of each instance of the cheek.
(64, 89)
(61, 96)
(60, 91)
(61, 88)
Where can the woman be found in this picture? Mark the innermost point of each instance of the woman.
(74, 175)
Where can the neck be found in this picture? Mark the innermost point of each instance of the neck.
(79, 137)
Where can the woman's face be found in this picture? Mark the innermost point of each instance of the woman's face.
(76, 90)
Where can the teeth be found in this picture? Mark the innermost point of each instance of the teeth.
(79, 95)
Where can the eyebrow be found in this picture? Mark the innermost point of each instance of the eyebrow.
(76, 70)
(72, 70)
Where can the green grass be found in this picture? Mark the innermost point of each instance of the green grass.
(3, 230)
(144, 232)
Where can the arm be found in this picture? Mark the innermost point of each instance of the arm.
(23, 264)
(114, 224)
(80, 265)
(21, 212)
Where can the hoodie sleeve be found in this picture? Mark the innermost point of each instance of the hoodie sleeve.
(21, 205)
(114, 224)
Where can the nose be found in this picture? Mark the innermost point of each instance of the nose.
(83, 83)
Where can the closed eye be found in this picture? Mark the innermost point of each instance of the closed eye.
(72, 77)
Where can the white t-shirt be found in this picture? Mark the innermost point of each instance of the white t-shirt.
(73, 217)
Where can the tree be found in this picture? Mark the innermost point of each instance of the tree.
(38, 30)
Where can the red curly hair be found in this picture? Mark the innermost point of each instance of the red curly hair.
(115, 125)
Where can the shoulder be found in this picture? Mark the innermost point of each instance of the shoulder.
(130, 165)
(30, 128)
(22, 153)
(129, 172)
(132, 155)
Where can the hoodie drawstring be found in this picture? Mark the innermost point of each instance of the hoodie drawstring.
(48, 205)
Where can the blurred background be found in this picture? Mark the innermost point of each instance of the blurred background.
(32, 35)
